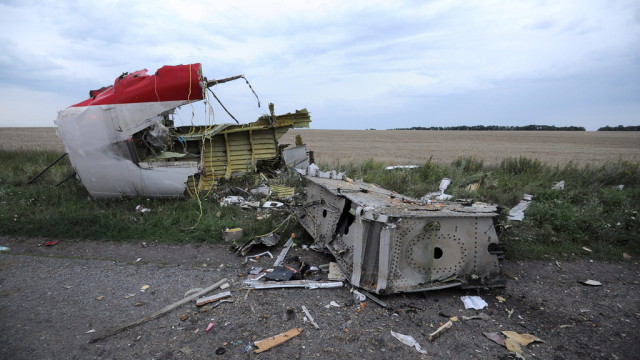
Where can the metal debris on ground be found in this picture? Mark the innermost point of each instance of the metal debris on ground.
(439, 195)
(517, 212)
(268, 240)
(401, 167)
(362, 225)
(358, 295)
(434, 335)
(231, 235)
(590, 282)
(212, 298)
(285, 250)
(474, 302)
(272, 204)
(280, 273)
(374, 299)
(124, 142)
(273, 341)
(262, 190)
(408, 340)
(335, 273)
(157, 313)
(558, 185)
(308, 284)
(251, 257)
(309, 317)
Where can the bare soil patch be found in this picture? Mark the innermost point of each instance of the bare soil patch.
(48, 304)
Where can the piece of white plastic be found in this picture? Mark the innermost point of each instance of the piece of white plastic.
(408, 340)
(474, 302)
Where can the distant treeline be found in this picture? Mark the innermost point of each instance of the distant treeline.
(499, 128)
(620, 128)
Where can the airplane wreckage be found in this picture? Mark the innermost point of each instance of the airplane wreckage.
(122, 142)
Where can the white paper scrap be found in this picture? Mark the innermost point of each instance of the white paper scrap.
(473, 302)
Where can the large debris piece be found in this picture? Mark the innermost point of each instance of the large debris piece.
(122, 140)
(385, 242)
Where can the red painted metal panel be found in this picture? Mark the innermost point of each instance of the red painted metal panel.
(169, 83)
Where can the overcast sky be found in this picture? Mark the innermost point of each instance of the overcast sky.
(352, 64)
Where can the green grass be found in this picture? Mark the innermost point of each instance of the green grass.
(590, 212)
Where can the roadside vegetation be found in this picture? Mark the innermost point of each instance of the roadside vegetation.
(593, 211)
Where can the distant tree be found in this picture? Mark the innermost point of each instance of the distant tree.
(620, 128)
(532, 127)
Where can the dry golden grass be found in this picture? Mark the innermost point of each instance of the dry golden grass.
(417, 147)
(30, 138)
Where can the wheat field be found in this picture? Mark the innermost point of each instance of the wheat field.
(403, 147)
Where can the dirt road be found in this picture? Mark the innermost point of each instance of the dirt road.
(51, 298)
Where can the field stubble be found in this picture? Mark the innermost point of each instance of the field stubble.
(337, 147)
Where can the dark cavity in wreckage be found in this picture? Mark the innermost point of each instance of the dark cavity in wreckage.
(122, 142)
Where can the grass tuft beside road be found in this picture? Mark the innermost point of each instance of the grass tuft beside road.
(591, 211)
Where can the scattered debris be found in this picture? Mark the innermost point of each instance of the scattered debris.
(282, 192)
(481, 316)
(374, 299)
(209, 327)
(626, 256)
(90, 331)
(558, 186)
(590, 282)
(332, 304)
(440, 330)
(473, 187)
(495, 337)
(311, 320)
(225, 286)
(517, 212)
(212, 298)
(4, 248)
(522, 339)
(335, 273)
(354, 220)
(474, 302)
(251, 257)
(500, 298)
(396, 167)
(262, 190)
(100, 298)
(271, 342)
(280, 273)
(230, 235)
(512, 345)
(144, 288)
(285, 250)
(157, 313)
(268, 240)
(272, 204)
(51, 243)
(408, 340)
(141, 209)
(439, 195)
(309, 284)
(359, 296)
(586, 249)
